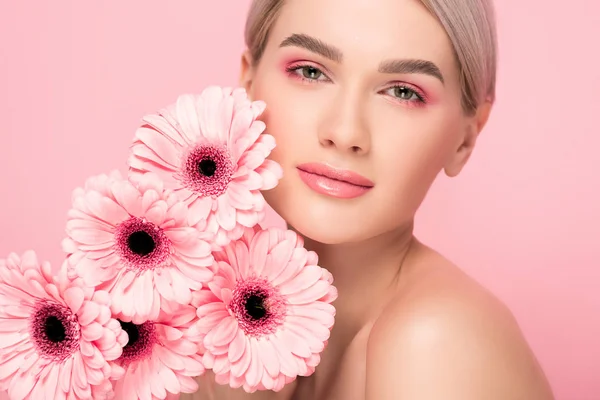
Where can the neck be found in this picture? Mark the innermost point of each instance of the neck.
(364, 273)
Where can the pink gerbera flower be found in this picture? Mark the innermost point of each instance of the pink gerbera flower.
(160, 358)
(267, 315)
(135, 242)
(56, 336)
(210, 149)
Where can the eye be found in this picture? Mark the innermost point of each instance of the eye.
(307, 73)
(405, 93)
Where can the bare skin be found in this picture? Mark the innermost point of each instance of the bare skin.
(409, 324)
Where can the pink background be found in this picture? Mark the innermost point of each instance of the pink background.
(524, 218)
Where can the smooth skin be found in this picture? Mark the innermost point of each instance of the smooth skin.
(410, 325)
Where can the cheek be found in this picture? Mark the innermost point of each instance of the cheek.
(286, 119)
(411, 153)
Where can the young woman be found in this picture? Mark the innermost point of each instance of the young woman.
(369, 100)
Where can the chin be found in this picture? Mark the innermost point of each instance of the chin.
(326, 221)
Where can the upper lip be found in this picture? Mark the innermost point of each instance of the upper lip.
(338, 174)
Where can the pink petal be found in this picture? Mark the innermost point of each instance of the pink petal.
(149, 198)
(196, 273)
(287, 361)
(307, 277)
(88, 313)
(105, 208)
(225, 213)
(249, 218)
(208, 308)
(10, 339)
(144, 293)
(64, 377)
(92, 332)
(255, 370)
(271, 173)
(129, 385)
(160, 145)
(240, 197)
(156, 386)
(92, 237)
(9, 367)
(240, 367)
(169, 380)
(294, 266)
(181, 289)
(163, 284)
(84, 222)
(162, 124)
(307, 333)
(259, 248)
(269, 357)
(21, 386)
(252, 159)
(199, 210)
(323, 313)
(183, 347)
(188, 117)
(251, 180)
(144, 376)
(208, 110)
(225, 332)
(168, 358)
(311, 294)
(237, 346)
(295, 343)
(128, 197)
(157, 213)
(188, 385)
(170, 333)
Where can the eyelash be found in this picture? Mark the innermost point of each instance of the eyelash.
(292, 71)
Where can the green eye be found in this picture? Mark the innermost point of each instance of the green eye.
(311, 73)
(404, 93)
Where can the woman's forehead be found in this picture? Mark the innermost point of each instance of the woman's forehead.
(373, 29)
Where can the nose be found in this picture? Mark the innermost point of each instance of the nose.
(343, 125)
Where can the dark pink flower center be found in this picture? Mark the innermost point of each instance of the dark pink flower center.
(142, 244)
(54, 330)
(141, 340)
(207, 170)
(258, 307)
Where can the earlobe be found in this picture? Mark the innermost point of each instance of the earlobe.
(246, 72)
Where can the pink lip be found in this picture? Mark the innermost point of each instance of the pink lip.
(334, 182)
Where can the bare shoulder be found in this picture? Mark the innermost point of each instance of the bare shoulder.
(445, 336)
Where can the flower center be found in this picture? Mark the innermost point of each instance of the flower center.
(132, 332)
(207, 167)
(54, 330)
(141, 340)
(142, 245)
(207, 170)
(255, 306)
(258, 307)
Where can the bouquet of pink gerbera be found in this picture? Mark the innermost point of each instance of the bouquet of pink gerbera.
(168, 273)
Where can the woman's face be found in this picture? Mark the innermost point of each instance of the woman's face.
(368, 87)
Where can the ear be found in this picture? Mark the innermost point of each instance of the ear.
(473, 127)
(246, 72)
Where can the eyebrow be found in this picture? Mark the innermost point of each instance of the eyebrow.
(313, 45)
(400, 66)
(410, 66)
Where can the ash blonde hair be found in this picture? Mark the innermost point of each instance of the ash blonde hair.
(469, 24)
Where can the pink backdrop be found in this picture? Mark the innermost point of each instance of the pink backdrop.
(523, 218)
